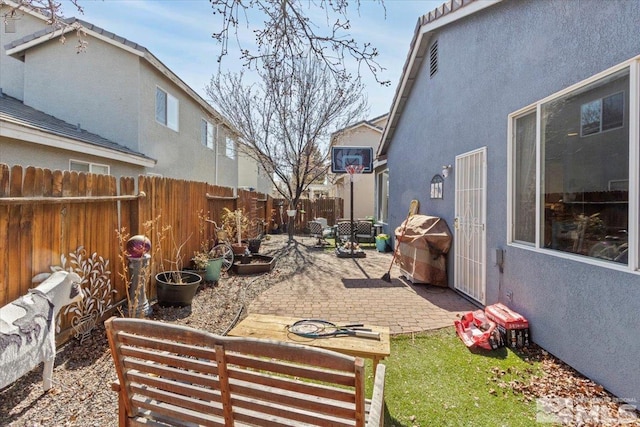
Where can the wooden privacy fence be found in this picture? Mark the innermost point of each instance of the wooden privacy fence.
(307, 210)
(46, 216)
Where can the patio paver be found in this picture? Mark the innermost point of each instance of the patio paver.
(351, 290)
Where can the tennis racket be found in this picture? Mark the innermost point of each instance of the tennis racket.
(316, 328)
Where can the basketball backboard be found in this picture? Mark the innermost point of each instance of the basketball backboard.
(341, 157)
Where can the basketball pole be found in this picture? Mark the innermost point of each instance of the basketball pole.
(351, 202)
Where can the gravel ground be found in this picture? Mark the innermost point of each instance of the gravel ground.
(83, 374)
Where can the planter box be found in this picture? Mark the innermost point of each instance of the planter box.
(258, 264)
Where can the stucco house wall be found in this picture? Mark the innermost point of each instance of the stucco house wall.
(97, 88)
(491, 64)
(12, 75)
(16, 152)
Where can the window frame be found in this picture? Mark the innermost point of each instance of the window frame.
(633, 118)
(229, 148)
(380, 205)
(205, 125)
(91, 166)
(171, 109)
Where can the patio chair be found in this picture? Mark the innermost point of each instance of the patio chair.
(343, 231)
(365, 232)
(318, 231)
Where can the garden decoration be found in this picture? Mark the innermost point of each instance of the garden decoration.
(27, 330)
(95, 281)
(136, 265)
(139, 259)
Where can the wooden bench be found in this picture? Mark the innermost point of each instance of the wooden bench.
(175, 375)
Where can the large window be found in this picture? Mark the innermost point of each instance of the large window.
(570, 153)
(166, 109)
(207, 132)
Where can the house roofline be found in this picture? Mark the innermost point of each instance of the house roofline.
(40, 37)
(25, 9)
(445, 14)
(367, 123)
(25, 132)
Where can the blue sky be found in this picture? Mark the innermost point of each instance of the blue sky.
(178, 32)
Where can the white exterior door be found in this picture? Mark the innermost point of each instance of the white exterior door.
(469, 226)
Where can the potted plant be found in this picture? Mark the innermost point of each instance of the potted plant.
(236, 223)
(210, 262)
(174, 286)
(258, 231)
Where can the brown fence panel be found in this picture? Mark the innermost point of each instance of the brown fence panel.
(175, 206)
(329, 208)
(37, 228)
(46, 214)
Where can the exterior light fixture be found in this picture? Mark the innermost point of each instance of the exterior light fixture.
(446, 170)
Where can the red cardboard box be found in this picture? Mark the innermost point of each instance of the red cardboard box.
(513, 326)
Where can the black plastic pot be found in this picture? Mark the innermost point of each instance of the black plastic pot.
(172, 294)
(254, 245)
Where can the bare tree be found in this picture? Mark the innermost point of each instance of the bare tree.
(285, 120)
(293, 29)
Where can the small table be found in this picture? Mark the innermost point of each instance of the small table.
(275, 328)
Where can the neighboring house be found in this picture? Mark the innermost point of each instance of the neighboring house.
(115, 90)
(365, 133)
(251, 175)
(535, 104)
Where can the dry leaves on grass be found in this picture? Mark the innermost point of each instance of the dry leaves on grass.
(562, 394)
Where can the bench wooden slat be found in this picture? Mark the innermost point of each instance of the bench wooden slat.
(255, 413)
(163, 345)
(289, 369)
(174, 414)
(315, 389)
(269, 396)
(182, 376)
(177, 387)
(163, 401)
(171, 373)
(296, 353)
(204, 366)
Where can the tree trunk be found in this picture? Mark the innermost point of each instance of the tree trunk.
(292, 221)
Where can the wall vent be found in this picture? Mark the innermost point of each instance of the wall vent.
(9, 24)
(433, 59)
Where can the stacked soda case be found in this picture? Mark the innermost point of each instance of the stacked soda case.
(513, 327)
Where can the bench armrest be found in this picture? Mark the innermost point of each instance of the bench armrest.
(115, 386)
(376, 410)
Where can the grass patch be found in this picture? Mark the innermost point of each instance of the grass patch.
(432, 379)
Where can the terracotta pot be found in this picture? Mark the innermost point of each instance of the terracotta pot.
(238, 249)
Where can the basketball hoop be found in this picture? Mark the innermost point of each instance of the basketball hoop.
(354, 169)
